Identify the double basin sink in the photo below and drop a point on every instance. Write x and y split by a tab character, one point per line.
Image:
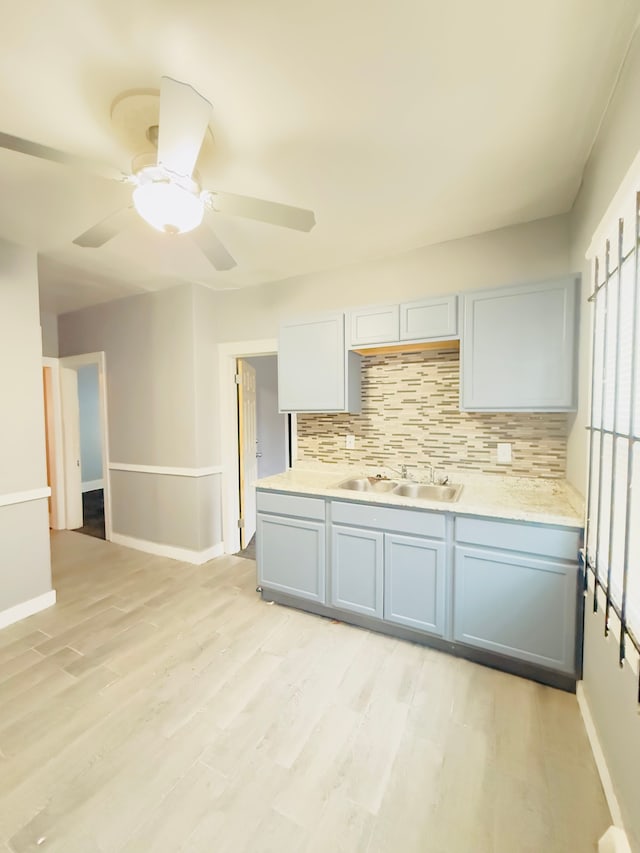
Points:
377	485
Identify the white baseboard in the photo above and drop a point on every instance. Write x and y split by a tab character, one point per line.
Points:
92	485
185	555
27	608
615	839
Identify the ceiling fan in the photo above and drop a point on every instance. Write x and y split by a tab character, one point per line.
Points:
167	193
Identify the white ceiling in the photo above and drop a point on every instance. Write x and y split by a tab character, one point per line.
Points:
400	124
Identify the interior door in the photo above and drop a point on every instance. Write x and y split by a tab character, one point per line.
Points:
247	442
71	447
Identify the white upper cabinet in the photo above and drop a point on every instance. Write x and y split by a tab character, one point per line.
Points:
518	348
429	319
425	320
375	324
316	373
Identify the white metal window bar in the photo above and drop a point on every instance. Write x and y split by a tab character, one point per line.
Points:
612	542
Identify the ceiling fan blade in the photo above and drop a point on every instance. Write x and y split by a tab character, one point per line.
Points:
184	118
265	211
43	152
212	248
107	229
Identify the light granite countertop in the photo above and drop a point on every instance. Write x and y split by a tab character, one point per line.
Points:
545	501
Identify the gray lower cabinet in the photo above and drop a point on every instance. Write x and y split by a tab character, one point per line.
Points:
357	570
414	583
394	577
492	587
291	555
516	605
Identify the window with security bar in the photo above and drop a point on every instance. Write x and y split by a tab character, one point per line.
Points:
613	500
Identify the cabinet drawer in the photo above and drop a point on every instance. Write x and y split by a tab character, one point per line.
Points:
293	505
388	518
561	543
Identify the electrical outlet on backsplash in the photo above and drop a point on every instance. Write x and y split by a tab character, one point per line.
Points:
410	413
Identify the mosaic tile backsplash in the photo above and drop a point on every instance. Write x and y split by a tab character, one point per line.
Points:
410	414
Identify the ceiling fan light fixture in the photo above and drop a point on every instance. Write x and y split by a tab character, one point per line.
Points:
168	207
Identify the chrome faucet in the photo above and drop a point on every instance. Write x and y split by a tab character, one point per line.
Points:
402	470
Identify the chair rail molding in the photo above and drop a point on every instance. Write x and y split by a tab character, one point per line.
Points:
12	498
170	470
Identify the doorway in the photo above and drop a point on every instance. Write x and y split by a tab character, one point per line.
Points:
263	437
91	465
77	443
228	354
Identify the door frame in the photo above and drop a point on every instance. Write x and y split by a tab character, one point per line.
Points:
242	364
99	358
58	507
229	451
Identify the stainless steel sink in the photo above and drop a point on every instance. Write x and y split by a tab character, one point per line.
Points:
406	490
428	492
368	484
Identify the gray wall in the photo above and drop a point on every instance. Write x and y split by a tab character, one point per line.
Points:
90	428
156	356
148	341
536	250
611	692
271	425
25	570
49	328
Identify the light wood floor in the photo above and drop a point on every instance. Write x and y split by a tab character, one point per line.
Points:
165	707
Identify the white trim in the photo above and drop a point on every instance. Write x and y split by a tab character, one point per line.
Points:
185	555
23	497
598	755
27	608
92	485
227	355
82	360
166	469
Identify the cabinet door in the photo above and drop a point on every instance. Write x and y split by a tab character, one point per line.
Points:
314	372
518	348
290	553
356	570
374	324
414	583
519	606
311	365
429	318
